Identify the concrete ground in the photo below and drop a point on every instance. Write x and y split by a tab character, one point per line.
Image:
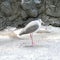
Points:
47	47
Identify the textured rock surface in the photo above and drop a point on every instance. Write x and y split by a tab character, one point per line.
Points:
19	12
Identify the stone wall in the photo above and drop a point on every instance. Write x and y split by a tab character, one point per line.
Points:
18	13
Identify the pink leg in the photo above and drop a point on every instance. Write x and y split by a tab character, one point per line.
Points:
31	38
46	28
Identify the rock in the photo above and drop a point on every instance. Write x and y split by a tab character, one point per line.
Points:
32	12
54	22
53	13
6	8
53	8
2	23
45	18
13	17
41	10
29	20
20	12
37	1
23	14
25	5
30	8
17	22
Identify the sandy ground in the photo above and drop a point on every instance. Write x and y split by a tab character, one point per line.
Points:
47	47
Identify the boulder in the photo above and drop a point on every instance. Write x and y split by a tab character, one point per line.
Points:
32	12
6	8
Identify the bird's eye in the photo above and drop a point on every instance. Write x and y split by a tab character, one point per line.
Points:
43	23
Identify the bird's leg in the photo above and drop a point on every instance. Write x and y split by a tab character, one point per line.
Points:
32	39
46	28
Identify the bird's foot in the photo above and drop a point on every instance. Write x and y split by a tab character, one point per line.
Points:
33	43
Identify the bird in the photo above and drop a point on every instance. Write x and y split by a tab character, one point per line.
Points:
31	27
28	29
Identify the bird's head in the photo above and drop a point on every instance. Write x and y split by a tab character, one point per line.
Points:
40	21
